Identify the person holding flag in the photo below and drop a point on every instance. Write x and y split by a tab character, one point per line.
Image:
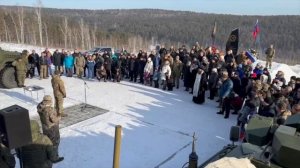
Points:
255	31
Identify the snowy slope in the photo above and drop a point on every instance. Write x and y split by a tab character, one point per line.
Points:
157	125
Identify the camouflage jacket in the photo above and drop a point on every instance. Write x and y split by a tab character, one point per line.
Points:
47	115
20	65
80	61
40	153
58	86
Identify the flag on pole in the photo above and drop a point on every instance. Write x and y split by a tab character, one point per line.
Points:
214	30
256	30
233	41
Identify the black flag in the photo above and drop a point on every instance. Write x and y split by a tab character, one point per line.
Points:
233	41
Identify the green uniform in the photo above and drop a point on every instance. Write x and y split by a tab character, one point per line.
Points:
270	52
21	69
39	154
79	63
7	160
50	123
59	93
177	69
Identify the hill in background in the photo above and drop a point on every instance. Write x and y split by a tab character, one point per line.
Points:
137	29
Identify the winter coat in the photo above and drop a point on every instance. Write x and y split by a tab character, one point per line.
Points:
165	71
43	60
20	65
149	68
69	61
177	68
142	64
213	80
107	63
79	61
226	88
56	59
236	85
58	86
40	153
187	77
50	122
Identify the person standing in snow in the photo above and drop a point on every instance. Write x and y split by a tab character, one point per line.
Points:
200	86
69	63
225	92
270	54
50	123
148	71
177	70
90	65
59	93
165	74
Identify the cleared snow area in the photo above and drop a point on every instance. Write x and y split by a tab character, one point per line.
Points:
157	125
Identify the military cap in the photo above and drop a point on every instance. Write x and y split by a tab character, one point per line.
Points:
47	98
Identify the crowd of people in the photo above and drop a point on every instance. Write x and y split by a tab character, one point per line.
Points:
231	80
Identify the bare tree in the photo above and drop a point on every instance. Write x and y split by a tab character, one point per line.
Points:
33	36
82	33
15	25
21	22
94	35
88	37
6	30
38	13
64	30
46	33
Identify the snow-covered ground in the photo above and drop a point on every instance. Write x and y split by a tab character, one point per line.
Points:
157	125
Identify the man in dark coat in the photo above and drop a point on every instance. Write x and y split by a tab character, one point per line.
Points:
142	64
57	60
200	85
31	65
36	61
212	83
107	66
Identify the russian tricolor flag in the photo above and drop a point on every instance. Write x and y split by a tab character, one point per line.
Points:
256	30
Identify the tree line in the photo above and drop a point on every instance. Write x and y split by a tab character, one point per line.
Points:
138	28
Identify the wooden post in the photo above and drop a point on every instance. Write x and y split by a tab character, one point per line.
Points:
117	147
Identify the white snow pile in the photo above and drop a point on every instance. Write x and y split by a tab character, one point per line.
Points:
157	125
230	162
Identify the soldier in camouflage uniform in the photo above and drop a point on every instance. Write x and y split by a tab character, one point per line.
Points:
7	160
79	64
59	93
21	68
50	122
40	153
270	53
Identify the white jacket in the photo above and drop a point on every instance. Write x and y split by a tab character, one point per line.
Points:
149	67
166	69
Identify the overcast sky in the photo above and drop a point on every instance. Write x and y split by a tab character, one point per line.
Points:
241	7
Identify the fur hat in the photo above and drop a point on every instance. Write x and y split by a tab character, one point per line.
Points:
47	98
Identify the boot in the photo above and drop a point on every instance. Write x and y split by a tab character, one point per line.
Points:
59	159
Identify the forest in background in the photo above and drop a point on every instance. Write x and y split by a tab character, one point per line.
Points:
137	29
